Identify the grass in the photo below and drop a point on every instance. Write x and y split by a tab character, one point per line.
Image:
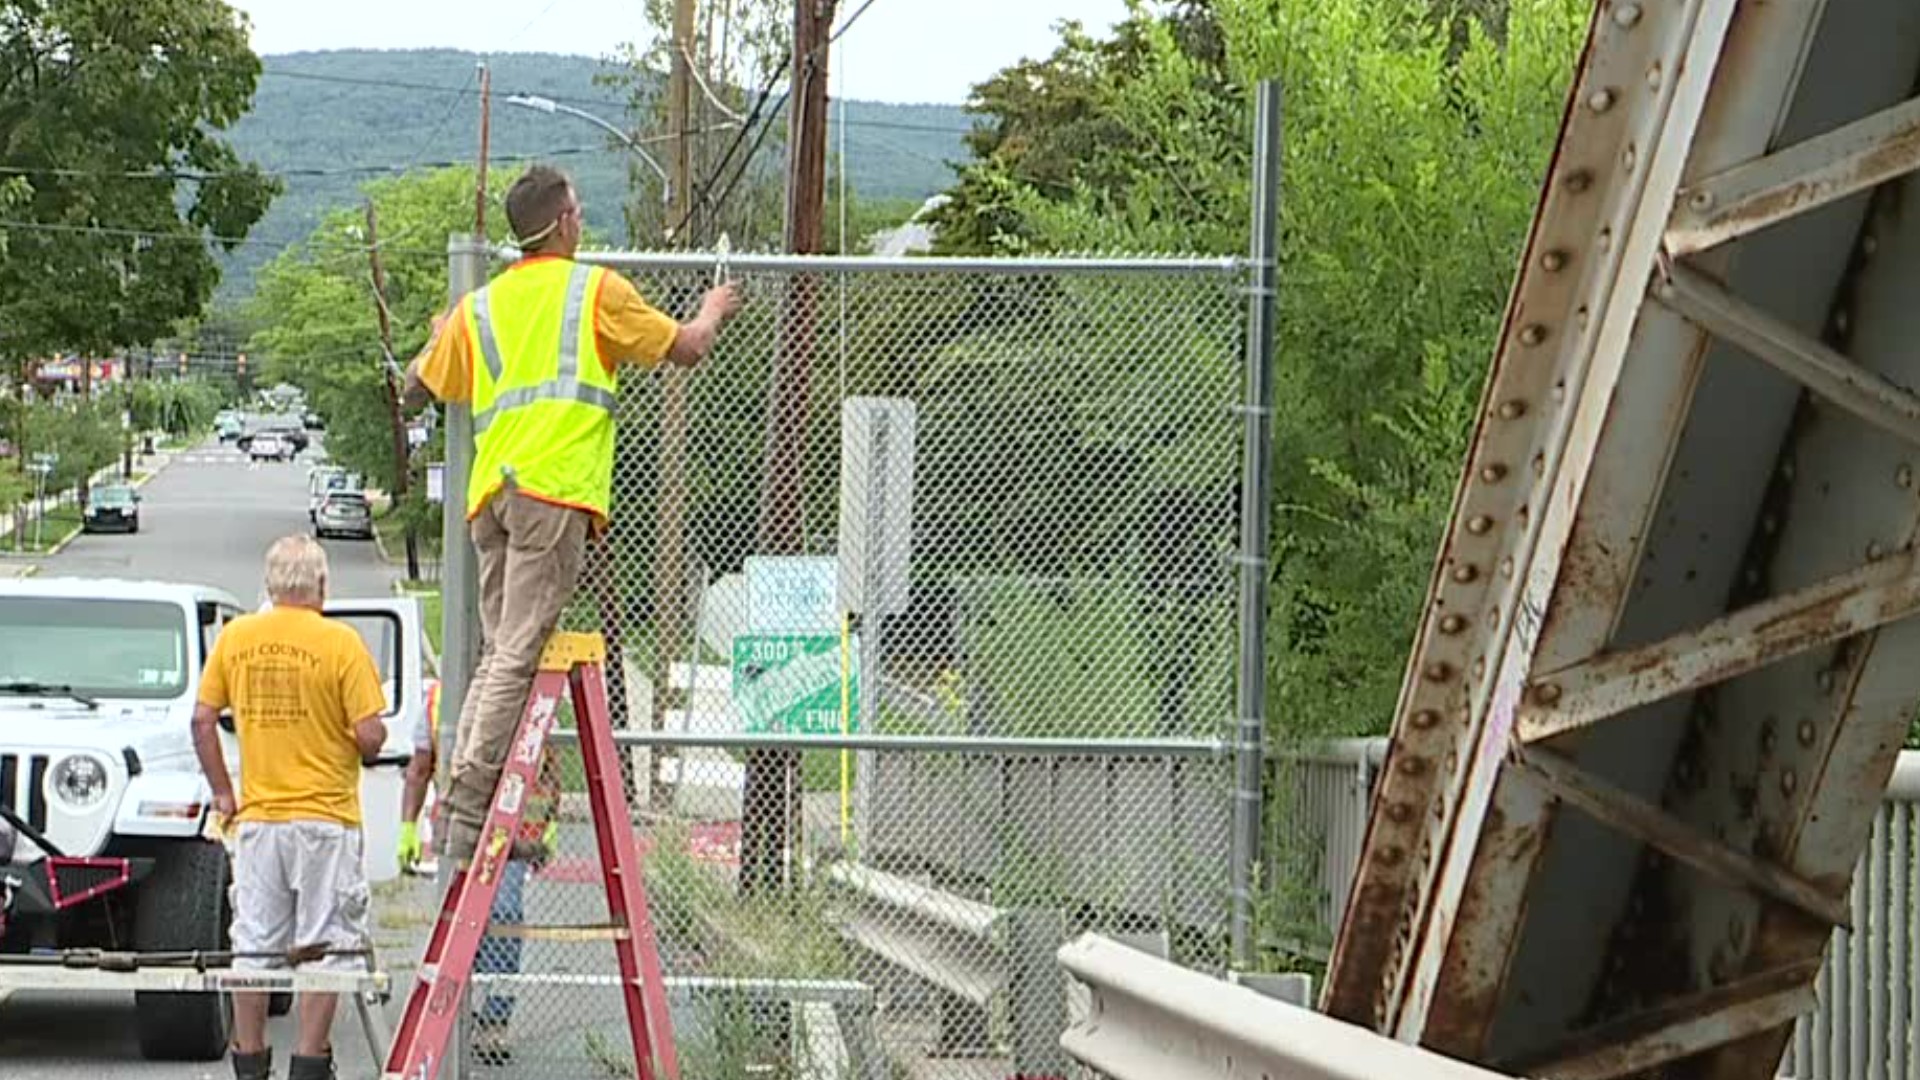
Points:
393	539
61	523
183	442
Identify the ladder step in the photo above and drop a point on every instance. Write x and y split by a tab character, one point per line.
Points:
607	932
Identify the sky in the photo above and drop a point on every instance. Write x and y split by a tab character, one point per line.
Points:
898	50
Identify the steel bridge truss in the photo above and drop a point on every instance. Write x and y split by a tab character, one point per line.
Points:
1668	657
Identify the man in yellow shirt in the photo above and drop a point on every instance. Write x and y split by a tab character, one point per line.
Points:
307	707
537	353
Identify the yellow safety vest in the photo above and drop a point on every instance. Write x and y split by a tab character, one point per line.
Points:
543	401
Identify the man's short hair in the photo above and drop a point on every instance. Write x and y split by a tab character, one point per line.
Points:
296	570
535	201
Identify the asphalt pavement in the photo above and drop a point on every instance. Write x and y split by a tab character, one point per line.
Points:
207	517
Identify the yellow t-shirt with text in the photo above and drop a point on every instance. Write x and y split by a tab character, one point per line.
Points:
298	683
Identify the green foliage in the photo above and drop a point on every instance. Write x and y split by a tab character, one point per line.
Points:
319	327
96	96
1414	142
175	407
15	486
85	435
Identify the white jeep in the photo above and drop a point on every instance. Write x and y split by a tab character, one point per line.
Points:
103	810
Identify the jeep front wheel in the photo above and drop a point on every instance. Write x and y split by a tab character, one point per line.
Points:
182	906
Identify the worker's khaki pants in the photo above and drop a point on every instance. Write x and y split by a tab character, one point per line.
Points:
530	554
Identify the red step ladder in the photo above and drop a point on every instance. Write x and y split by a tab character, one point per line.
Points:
571	663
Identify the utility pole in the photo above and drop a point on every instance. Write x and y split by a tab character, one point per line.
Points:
486	123
772	796
391	368
670	563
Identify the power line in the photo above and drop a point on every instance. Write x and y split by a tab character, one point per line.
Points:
851	19
603	103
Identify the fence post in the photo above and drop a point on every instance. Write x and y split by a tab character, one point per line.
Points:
1255	508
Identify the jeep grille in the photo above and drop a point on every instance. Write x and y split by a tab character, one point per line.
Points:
23	787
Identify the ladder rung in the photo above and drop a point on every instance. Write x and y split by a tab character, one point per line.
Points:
607	932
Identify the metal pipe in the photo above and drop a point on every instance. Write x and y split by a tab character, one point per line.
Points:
1900	1018
1874	934
1255	511
921	744
864	264
459	575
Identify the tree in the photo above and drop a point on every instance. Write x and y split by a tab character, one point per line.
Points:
110	111
1416	132
315	309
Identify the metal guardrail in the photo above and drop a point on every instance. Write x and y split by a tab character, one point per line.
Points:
1153	1020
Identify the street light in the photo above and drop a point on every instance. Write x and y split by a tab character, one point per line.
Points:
550	106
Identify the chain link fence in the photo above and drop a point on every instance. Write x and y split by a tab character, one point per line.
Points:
924	590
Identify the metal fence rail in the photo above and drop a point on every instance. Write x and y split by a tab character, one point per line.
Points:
1868	995
940	639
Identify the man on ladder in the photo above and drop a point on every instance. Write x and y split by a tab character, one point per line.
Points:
536	353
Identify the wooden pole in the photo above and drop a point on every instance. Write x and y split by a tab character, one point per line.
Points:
770	832
389	366
670	512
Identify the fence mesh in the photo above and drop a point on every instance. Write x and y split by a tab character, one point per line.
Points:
999	505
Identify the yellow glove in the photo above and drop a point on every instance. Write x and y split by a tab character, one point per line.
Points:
551	838
409	852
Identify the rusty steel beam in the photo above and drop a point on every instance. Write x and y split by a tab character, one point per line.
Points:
1883	591
1825	371
1803	177
1681	1029
1623	811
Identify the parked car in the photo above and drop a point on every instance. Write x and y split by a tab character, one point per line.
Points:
323	479
112	508
344	513
290	433
266	447
230	429
312	422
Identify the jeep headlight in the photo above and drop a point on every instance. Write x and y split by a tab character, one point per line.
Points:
78	781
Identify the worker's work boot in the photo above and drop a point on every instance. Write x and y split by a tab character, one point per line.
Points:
257	1066
317	1067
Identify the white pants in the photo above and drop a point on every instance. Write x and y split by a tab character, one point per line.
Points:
298	883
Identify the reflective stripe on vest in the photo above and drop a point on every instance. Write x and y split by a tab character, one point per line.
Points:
543	401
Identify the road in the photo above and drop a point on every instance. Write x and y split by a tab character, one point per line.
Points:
208	517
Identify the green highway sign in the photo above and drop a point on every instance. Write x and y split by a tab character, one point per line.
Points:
790	683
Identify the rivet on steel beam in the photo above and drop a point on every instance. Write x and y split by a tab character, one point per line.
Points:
1512	410
1559	391
1547	693
1453	624
1479	524
1869	245
1768	740
1600	100
1903	476
1391	856
1786	469
1465	573
1806	733
1841	321
1424	719
1582	316
1788	782
1701	200
1654	75
1413	766
1579	180
1605	241
1533	334
1506	567
1825	681
1627	16
1438	671
1554	261
1540	463
1493	473
1400	812
1874	550
1629	158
